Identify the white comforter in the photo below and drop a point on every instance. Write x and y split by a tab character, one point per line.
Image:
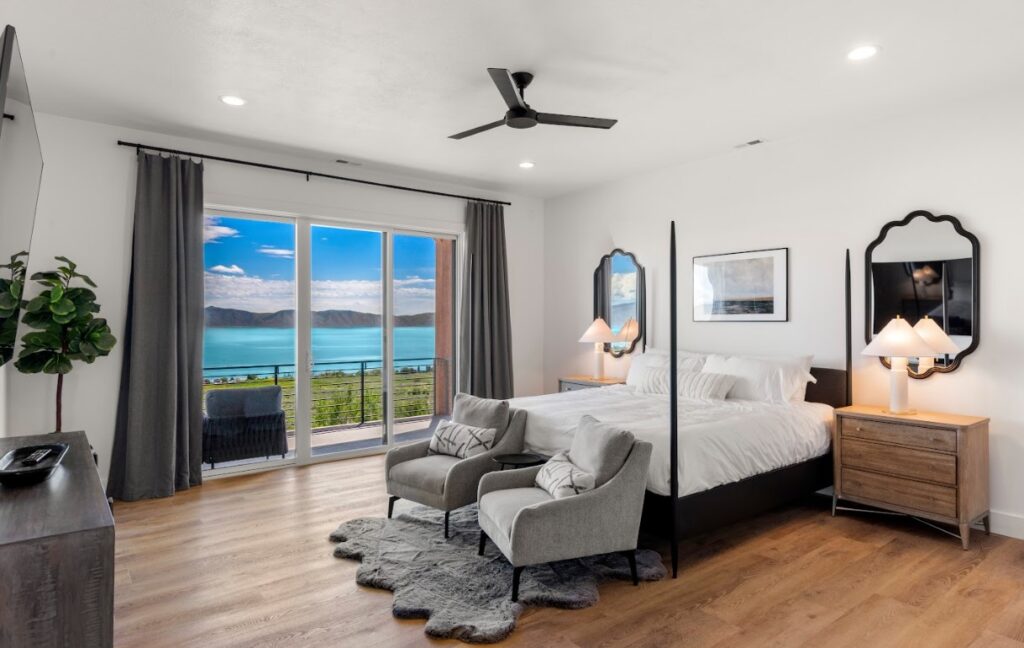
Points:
719	441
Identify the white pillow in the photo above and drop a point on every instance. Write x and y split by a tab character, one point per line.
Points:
461	440
648	372
761	378
561	478
703	385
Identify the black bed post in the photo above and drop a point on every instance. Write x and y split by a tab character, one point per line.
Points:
849	336
673	415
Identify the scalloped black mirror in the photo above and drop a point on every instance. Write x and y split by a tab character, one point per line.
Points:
620	298
925	266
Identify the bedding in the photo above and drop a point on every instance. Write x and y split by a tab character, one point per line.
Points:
720	442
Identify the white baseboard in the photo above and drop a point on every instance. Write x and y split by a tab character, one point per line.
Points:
1008	524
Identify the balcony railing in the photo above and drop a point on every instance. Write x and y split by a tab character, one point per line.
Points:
346	393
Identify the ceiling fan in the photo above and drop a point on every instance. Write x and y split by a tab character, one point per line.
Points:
512	85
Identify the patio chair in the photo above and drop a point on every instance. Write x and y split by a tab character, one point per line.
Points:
244	423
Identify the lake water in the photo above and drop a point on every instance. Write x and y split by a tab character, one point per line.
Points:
265	347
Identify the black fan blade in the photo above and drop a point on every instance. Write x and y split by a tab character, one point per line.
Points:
572	120
507	87
478	129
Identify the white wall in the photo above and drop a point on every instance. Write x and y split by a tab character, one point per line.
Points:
85	213
818	196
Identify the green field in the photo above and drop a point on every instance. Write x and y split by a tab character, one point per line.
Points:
341	398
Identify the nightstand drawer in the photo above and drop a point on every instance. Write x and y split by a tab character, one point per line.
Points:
905	493
899	461
900	434
564	386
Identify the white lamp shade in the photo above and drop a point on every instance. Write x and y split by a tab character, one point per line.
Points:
598	332
898	340
629	331
935	337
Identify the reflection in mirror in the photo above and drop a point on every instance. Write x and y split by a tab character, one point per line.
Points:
21	166
925	270
619	298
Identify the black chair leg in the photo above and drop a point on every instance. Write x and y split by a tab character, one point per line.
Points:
391	505
516	572
446	514
631	557
483	543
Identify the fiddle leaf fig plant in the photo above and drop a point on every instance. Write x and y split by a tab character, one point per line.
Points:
66	328
11	304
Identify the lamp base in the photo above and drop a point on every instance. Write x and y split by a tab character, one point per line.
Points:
598	361
909	412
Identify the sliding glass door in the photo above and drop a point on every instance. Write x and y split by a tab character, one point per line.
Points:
423	377
347	373
343	334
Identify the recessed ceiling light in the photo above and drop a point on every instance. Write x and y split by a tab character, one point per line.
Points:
526	164
232	100
862	52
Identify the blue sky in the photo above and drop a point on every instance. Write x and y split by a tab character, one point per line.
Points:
250	264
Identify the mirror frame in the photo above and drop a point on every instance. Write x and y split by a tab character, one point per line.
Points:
641	303
975	297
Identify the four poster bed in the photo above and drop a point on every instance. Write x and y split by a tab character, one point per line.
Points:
679	517
741	457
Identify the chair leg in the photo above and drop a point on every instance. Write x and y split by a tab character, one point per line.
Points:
675	558
631	557
483	543
516	572
446	514
391	505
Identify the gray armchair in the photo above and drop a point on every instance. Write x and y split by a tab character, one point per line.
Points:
530	527
446	482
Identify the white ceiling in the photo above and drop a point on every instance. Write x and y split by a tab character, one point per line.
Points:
385	82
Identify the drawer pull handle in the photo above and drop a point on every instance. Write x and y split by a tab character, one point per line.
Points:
860	429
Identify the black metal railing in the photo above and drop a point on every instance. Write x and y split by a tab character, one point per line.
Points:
345	393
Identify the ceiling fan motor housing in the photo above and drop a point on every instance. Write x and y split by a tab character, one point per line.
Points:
521	118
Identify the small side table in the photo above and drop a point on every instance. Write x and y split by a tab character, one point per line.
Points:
576	383
520	460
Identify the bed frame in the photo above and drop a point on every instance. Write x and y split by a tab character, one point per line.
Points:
675	517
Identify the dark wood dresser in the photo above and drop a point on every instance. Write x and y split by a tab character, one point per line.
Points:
57	554
927	465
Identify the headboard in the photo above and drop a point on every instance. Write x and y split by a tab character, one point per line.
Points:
832	388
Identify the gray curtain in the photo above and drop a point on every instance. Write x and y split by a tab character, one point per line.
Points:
158	434
485	360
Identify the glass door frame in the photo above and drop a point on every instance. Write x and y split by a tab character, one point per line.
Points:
304	334
303	323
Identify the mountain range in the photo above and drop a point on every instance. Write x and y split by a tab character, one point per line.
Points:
217	317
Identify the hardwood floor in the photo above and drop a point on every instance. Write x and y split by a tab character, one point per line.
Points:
245	561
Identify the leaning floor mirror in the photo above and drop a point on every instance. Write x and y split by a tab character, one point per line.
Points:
620	299
925	269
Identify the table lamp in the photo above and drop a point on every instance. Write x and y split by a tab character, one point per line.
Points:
937	339
898	342
599	333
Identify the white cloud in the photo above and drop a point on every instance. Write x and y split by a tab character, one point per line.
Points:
623	288
280	253
231	269
213	230
412	295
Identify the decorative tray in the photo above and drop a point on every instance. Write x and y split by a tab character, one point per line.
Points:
21	466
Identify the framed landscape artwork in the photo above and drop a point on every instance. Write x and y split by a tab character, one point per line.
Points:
742	287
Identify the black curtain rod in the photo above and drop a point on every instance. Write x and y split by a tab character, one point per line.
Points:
308	174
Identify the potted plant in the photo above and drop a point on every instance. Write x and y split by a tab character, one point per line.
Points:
66	326
11	304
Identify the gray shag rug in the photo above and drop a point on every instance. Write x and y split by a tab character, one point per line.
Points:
462	595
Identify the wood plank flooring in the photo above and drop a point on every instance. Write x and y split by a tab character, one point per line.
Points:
245	561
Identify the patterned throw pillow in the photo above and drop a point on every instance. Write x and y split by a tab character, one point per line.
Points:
561	478
459	440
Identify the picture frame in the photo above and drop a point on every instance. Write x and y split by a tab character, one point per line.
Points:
750	286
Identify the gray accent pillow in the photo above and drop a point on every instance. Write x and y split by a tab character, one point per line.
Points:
599	449
561	478
458	440
702	385
481	413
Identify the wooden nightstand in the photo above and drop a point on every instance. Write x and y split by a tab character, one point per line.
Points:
925	465
574	383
